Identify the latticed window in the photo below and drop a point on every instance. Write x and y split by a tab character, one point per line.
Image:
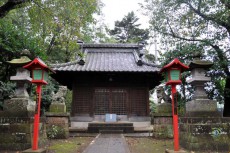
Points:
82	100
138	99
119	101
110	101
101	101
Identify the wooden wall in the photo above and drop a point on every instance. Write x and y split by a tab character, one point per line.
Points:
100	100
119	93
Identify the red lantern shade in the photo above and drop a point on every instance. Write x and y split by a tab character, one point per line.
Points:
173	71
39	71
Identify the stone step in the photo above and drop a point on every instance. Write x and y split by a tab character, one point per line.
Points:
76	130
83	125
139	119
111	131
81	119
110	125
97	127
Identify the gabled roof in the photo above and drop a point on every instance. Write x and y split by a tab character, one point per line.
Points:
108	58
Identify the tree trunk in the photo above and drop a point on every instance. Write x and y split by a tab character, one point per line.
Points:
224	64
226	112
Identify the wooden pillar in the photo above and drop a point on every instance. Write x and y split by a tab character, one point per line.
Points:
147	100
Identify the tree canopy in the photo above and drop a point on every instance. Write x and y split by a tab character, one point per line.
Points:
127	30
48	28
189	26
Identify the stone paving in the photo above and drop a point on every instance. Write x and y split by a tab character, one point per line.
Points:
108	143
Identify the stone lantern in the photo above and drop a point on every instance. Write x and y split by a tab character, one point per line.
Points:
22	76
203	128
20	105
200	104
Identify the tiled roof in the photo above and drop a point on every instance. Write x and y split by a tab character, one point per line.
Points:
108	58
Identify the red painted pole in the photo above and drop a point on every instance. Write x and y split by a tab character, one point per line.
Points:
37	117
175	119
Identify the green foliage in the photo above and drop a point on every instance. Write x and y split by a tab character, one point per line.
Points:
127	30
47	91
53	131
152	106
12	41
6	91
59	25
48	29
181	105
150	57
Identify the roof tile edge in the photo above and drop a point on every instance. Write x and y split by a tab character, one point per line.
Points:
110	45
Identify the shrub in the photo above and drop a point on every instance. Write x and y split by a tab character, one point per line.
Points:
6	92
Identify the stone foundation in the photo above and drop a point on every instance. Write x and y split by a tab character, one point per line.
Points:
57	125
17	133
205	134
162	121
57	108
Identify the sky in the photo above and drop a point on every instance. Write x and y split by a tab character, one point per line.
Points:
116	9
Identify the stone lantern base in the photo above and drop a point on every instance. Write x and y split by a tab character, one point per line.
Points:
19	107
202	108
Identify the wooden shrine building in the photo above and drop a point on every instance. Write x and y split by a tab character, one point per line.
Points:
109	79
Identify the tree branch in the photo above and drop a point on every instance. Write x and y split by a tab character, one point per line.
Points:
209	18
220	52
173	34
199	5
223	60
48	52
10	5
179	37
226	3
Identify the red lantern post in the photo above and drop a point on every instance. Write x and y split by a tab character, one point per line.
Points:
39	77
173	72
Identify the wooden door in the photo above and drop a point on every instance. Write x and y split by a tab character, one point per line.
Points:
118	102
110	100
101	101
